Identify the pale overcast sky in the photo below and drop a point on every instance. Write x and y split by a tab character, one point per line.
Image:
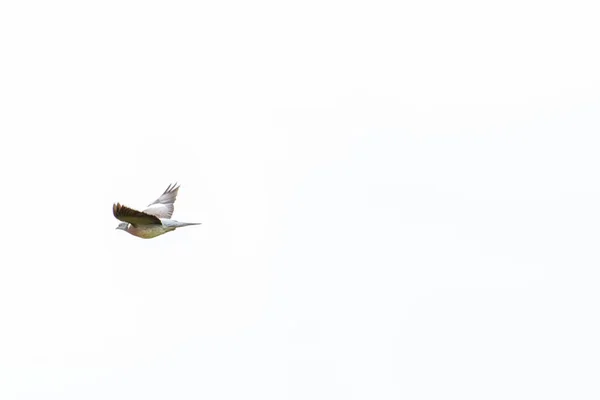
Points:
400	200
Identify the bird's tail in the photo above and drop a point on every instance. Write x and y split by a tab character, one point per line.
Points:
171	223
180	224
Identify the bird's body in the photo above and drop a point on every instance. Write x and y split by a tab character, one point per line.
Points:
148	231
153	221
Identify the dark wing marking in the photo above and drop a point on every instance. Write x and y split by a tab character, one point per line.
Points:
134	217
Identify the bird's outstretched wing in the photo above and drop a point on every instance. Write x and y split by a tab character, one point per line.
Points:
163	206
134	217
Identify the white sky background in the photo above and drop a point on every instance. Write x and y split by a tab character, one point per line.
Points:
399	200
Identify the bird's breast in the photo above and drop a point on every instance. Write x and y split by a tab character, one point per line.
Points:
148	231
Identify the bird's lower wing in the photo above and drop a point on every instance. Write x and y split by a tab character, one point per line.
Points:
160	210
134	217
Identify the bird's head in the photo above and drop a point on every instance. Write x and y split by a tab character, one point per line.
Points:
123	226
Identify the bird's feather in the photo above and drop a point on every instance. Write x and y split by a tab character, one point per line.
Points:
163	206
134	217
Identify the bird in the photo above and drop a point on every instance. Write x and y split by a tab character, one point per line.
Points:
154	220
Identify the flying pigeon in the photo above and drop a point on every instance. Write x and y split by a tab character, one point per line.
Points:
153	221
